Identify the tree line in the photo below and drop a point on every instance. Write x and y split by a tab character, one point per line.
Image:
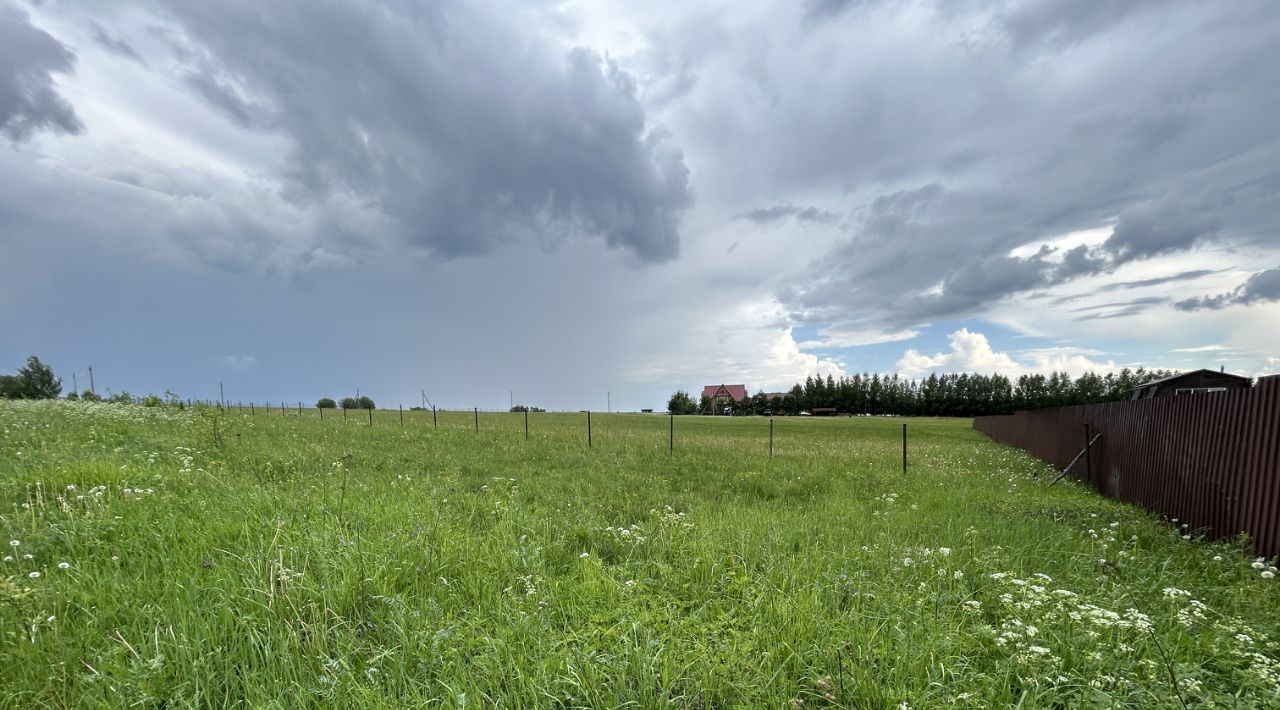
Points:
946	395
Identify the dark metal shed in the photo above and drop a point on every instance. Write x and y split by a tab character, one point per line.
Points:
1193	382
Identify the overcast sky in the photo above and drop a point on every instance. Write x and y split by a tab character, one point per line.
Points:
552	202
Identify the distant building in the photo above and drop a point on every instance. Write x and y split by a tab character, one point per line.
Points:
770	396
722	396
1193	382
824	411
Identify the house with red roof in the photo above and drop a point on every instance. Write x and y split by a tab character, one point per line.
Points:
722	396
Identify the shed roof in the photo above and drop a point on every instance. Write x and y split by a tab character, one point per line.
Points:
1188	373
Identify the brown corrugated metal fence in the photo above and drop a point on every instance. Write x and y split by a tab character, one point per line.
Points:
1210	460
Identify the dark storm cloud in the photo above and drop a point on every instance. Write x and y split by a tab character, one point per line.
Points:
1066	22
1057	121
1172	278
774	214
1262	287
29	101
115	45
462	124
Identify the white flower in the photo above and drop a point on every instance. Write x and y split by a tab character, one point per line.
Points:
585	555
28	556
51	619
71	488
1268	574
1258	565
907	561
34	575
1217	558
64	565
15	543
8	558
944	551
1038	649
957	575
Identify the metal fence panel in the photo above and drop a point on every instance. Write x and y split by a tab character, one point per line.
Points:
1210	460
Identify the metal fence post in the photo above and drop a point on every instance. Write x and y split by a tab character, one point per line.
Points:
770	437
904	448
477	413
588	428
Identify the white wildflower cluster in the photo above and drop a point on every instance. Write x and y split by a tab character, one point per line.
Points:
1265	569
664	521
633	533
527	585
186	459
669	519
888	499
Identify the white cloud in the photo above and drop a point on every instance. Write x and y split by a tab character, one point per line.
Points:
846	336
238	362
971	351
1202	349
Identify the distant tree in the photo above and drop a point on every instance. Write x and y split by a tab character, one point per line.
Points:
526	408
90	397
72	396
10	387
681	403
122	397
365	403
350	403
326	403
34	381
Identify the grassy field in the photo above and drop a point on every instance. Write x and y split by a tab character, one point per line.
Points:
165	558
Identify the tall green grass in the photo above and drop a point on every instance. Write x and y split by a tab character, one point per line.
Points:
221	559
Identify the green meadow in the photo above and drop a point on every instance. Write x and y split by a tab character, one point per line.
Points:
157	557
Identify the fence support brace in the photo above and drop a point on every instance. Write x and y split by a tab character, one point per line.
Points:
1083	451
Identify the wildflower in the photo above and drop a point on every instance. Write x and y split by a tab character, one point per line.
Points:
51	619
28	556
1186	537
1038	649
71	488
1217	558
907	561
1256	564
957	575
1268	574
944	551
64	565
8	558
34	575
14	543
585	555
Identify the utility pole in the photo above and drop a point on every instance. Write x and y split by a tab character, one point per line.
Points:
222	396
608	398
511	399
74	387
91	388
